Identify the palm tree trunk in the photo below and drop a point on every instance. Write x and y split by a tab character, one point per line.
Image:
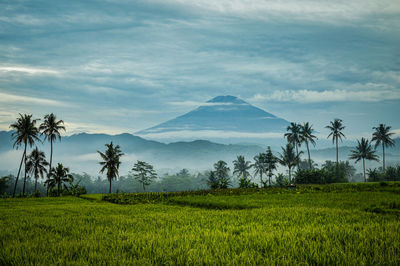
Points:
383	156
337	153
51	159
290	175
144	188
58	188
297	153
109	190
23	188
19	170
309	157
35	184
365	178
261	180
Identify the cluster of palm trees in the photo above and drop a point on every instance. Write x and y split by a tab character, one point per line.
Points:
27	134
298	134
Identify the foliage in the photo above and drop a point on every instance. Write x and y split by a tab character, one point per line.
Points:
281	180
111	162
363	152
306	136
220	175
36	163
144	173
241	167
58	177
313	176
289	158
382	135
4	183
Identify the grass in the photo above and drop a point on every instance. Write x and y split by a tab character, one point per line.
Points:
308	226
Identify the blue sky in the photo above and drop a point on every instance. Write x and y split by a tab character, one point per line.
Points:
122	66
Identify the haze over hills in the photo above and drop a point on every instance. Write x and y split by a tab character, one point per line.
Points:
219	119
79	153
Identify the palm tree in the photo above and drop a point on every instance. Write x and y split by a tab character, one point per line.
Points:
383	135
306	135
37	164
241	167
270	163
289	158
51	128
363	151
259	166
336	128
58	176
222	174
294	135
111	161
26	133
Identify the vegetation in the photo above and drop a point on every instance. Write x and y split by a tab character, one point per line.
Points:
36	165
341	224
144	173
111	162
25	133
241	168
58	176
306	135
336	128
294	136
289	158
382	135
363	152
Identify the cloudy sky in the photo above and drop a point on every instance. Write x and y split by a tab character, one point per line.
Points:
122	66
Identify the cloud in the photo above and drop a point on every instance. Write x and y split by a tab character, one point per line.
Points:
201	134
29	70
7	98
309	96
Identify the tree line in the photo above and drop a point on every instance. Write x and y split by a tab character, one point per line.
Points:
27	132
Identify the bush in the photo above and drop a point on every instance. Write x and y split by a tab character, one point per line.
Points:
281	180
36	194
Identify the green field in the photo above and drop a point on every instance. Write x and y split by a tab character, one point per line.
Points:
346	224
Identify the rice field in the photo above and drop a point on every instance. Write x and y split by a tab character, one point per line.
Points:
347	226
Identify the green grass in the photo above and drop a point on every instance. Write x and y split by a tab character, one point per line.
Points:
341	225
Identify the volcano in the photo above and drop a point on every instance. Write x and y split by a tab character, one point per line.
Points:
220	117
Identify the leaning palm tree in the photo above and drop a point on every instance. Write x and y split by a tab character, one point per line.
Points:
336	128
382	135
37	164
293	135
363	152
289	158
259	166
241	167
58	176
306	135
51	129
111	161
26	133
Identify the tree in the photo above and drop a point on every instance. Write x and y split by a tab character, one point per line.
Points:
363	152
260	166
222	174
26	133
111	162
212	180
294	136
144	173
289	158
306	135
382	135
336	128
58	176
270	164
241	167
36	164
51	128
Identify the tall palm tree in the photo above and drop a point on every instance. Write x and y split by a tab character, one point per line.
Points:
241	167
289	158
37	164
270	163
26	133
58	176
336	128
363	152
306	135
382	135
259	166
293	135
51	129
111	161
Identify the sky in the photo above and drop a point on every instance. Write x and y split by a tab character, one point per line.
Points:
123	66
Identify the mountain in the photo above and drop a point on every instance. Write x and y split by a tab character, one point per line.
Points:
220	117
